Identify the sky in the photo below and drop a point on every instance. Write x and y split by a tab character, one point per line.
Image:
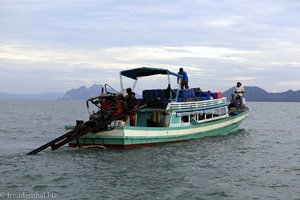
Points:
55	45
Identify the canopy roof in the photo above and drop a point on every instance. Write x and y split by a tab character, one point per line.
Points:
146	71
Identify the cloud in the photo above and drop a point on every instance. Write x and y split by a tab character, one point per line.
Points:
173	53
220	23
257	68
73	41
116	55
290	84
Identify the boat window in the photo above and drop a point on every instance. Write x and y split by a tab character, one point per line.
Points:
201	115
223	111
208	114
185	119
216	112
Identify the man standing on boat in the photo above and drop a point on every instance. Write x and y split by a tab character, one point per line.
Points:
131	101
239	91
184	80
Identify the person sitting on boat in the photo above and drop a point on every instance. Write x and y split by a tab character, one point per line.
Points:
184	80
132	106
239	91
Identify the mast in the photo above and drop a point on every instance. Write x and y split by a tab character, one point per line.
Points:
121	84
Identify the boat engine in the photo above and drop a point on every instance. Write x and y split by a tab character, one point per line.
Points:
106	105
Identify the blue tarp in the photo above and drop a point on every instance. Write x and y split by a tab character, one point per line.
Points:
146	71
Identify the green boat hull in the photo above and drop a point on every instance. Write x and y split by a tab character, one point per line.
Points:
129	136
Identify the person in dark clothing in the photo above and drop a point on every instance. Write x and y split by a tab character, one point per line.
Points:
131	101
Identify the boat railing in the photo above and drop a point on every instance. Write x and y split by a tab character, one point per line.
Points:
195	104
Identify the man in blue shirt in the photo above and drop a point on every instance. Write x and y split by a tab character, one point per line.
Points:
185	79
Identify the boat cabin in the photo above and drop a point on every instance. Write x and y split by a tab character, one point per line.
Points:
175	107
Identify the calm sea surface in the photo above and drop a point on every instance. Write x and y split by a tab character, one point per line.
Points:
260	161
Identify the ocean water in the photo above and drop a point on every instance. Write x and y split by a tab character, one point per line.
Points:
260	161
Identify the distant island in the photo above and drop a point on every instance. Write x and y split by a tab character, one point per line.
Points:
83	93
252	93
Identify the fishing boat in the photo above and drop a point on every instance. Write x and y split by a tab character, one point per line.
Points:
163	115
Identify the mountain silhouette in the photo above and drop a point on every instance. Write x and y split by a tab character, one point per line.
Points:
83	93
254	93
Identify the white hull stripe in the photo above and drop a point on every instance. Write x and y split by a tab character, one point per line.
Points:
157	132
